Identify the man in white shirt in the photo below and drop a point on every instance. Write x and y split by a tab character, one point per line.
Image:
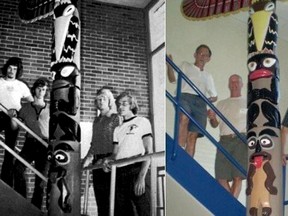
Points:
191	102
131	139
234	109
12	92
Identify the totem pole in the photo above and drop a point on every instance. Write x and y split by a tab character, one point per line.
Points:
63	189
264	180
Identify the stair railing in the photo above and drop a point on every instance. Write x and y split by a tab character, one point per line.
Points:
32	133
11	151
22	125
127	161
175	101
179	108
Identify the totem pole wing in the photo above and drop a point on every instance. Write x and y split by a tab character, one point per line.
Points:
32	10
203	9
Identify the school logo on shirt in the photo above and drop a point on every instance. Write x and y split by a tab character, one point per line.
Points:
10	88
132	128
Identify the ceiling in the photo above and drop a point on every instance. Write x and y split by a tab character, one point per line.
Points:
128	3
281	11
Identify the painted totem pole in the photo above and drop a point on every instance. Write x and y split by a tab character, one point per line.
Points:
264	180
63	188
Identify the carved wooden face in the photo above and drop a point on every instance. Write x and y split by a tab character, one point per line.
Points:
64	158
263	65
261	144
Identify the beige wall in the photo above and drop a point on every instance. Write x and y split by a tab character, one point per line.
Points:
227	37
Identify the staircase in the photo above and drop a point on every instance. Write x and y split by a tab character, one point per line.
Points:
199	183
204	191
13	204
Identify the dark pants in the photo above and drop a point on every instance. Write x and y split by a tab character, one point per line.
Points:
125	198
101	185
10	141
31	151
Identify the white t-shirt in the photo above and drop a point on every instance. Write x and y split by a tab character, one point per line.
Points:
235	110
11	93
129	137
202	80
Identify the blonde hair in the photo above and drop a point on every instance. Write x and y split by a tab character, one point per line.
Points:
107	93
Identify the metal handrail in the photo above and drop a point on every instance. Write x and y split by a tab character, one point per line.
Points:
25	127
181	75
207	101
125	162
7	148
32	133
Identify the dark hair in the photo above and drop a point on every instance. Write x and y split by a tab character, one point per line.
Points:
133	102
40	82
204	46
15	61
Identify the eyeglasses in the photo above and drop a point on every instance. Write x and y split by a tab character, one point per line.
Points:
123	103
205	55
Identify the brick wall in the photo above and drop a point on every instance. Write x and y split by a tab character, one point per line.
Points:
113	53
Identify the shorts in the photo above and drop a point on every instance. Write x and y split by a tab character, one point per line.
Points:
196	107
224	169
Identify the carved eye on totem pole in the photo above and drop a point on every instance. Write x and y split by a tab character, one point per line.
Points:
59	157
264	140
262	66
64	10
262	6
259	143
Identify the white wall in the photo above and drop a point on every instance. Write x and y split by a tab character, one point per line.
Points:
227	38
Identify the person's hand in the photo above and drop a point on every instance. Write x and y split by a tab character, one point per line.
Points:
211	114
12	113
106	164
139	187
43	184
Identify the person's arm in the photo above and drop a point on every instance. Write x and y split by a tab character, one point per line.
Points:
87	160
108	160
213	99
211	89
212	118
28	99
139	187
170	71
26	93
